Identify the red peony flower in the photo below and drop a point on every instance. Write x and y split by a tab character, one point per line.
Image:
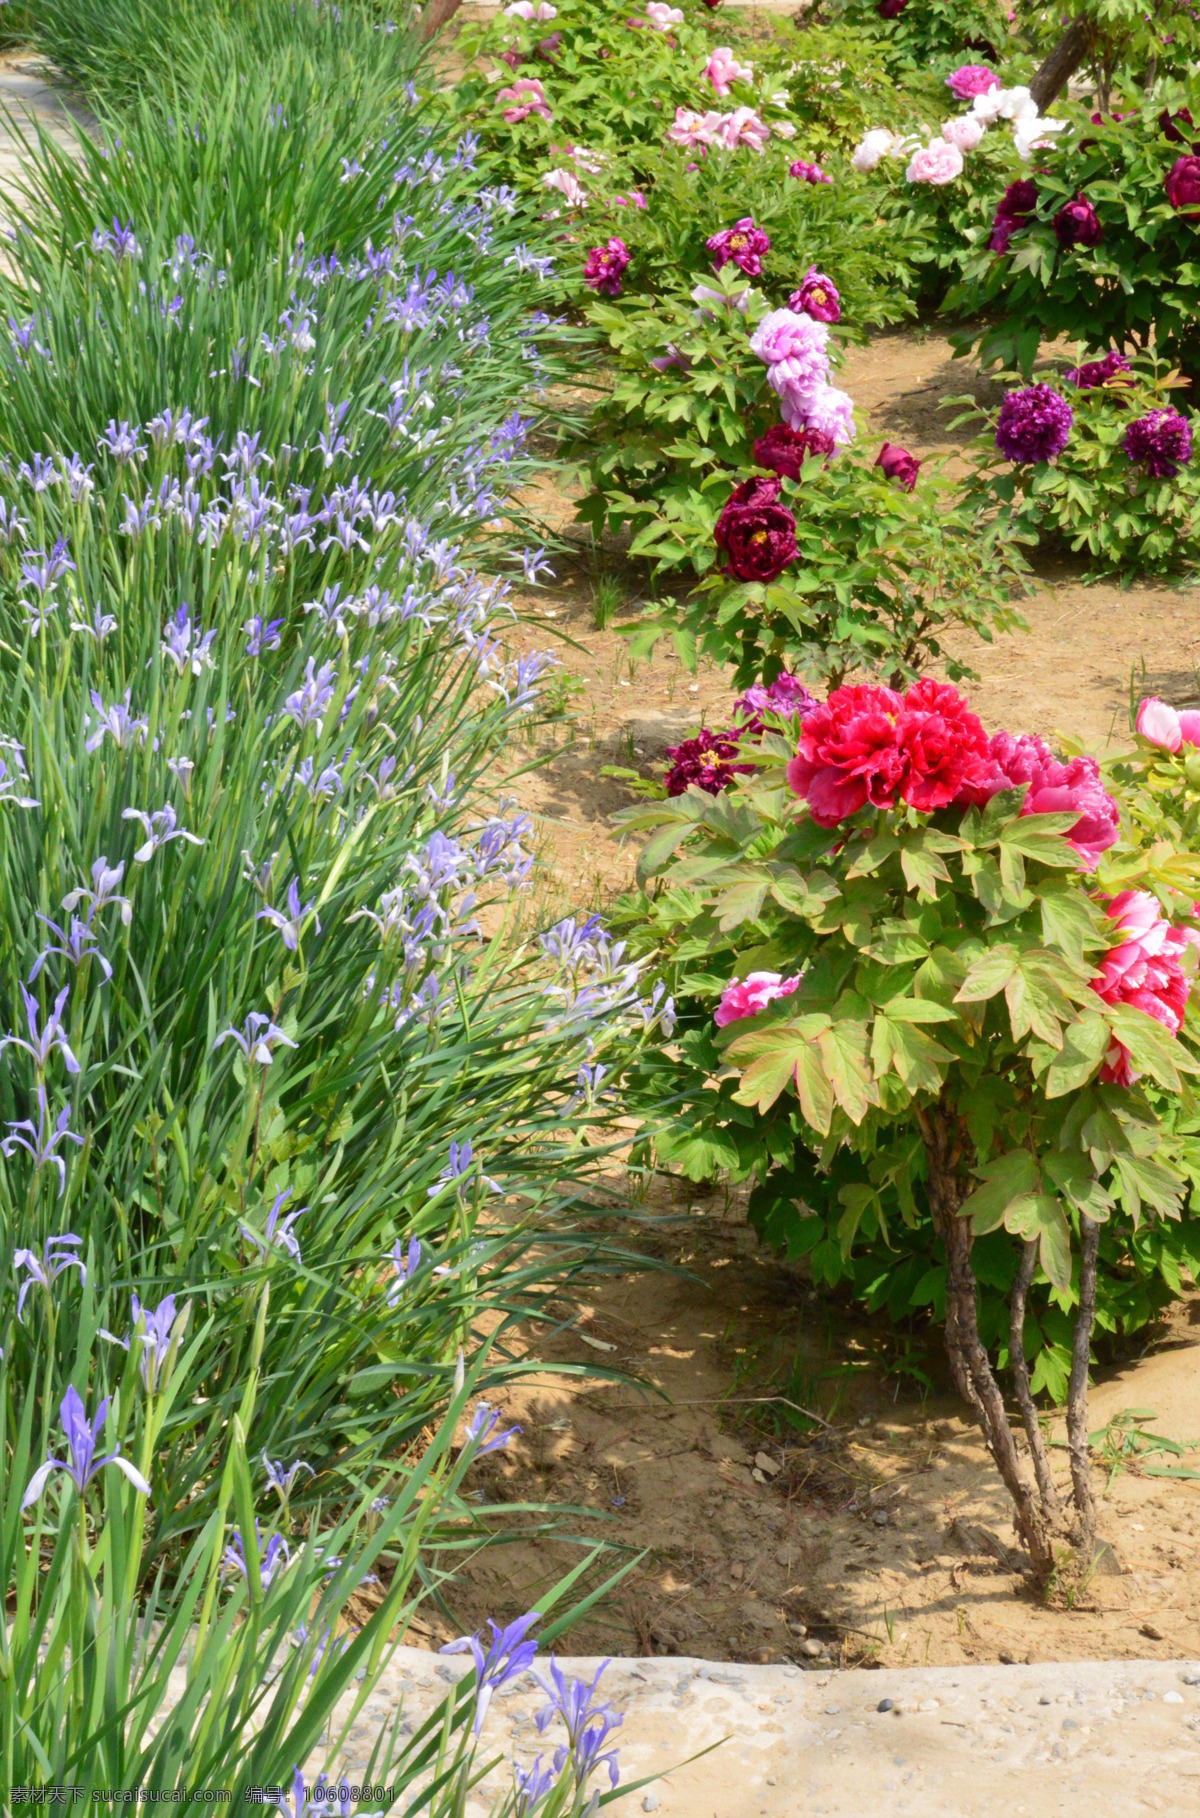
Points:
943	744
785	450
1077	224
899	465
755	532
848	754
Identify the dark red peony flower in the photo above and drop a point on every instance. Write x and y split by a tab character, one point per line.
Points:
899	465
709	761
1078	224
891	9
943	743
1169	124
785	450
1182	183
755	532
1015	206
848	753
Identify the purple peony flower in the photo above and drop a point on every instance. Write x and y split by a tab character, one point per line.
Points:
1012	212
1182	183
605	266
970	80
743	245
708	762
1160	442
899	465
756	534
1077	224
785	695
818	297
808	173
1097	372
1034	424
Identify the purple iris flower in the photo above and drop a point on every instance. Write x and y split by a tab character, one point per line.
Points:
102	625
121	242
43	1042
157	1330
284	1482
82	1438
257	1038
289	925
482	1432
406	1264
117	723
278	1234
184	645
262	634
161	828
588	1724
272	1559
105	878
41	571
56	1256
459	1169
122	441
12	525
76	945
308	703
508	1655
532	1785
41	1146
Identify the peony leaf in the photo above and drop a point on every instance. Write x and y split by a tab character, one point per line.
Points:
989	974
1002	1181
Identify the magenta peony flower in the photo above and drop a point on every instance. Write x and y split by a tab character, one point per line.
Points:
743	245
818	297
785	450
755	532
785	695
1078	224
971	80
1034	424
527	97
785	334
708	762
605	266
899	465
1182	183
808	173
1097	372
1012	212
1052	788
1159	723
1161	442
746	997
1144	970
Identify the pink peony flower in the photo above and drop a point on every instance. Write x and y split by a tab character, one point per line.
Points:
663	17
899	465
723	68
742	245
1189	726
936	162
635	199
605	266
569	186
964	134
784	334
817	297
527	97
1159	724
875	145
743	127
970	80
1052	788
824	408
1144	970
746	997
690	128
528	10
808	173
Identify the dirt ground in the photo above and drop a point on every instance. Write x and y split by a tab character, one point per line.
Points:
881	1537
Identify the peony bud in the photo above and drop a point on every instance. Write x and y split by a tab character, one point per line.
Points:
1159	723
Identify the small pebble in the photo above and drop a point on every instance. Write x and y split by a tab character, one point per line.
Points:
832	1710
1045	1698
1151	1631
880	1518
1069	1723
650	1802
1172	1697
1191	1679
885	1704
811	1649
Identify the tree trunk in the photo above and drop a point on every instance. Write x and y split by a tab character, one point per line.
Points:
436	14
1077	1394
1020	1370
1060	65
968	1355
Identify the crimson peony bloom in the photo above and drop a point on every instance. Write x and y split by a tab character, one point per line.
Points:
818	297
1013	210
848	753
899	465
891	9
605	266
1078	224
756	533
1034	424
943	743
1169	124
1182	183
747	996
709	761
1144	970
1160	442
785	450
743	244
1052	787
1097	372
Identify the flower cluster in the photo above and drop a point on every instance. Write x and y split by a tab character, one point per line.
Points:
1144	970
794	347
941	160
1160	442
710	760
744	126
870	745
1034	424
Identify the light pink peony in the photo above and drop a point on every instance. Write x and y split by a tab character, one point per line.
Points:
875	146
785	334
1159	723
723	68
527	97
663	17
743	127
1053	788
1144	970
823	407
568	184
964	134
527	10
693	129
747	996
936	162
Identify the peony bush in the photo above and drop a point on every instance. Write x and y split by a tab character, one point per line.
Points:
959	1025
